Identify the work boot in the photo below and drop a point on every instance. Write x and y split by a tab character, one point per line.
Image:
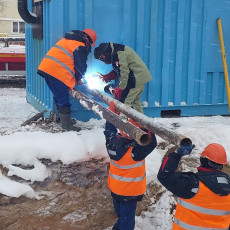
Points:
66	122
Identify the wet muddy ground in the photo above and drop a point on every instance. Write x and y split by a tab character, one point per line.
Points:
74	197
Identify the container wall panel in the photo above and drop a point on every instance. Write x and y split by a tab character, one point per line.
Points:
177	39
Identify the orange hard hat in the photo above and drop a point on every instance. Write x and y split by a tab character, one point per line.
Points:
216	153
92	35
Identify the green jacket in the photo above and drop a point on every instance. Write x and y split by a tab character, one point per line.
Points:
129	60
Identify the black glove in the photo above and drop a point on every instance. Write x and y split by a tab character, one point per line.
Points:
185	150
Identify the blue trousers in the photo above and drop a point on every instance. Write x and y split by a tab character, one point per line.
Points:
126	214
60	91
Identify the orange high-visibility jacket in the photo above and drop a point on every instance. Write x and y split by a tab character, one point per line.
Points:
59	61
126	176
205	211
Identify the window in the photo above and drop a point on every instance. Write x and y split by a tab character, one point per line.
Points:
18	27
22	27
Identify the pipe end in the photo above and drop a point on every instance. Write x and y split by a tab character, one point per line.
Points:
186	141
144	139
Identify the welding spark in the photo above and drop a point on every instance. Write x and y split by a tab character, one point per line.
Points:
93	81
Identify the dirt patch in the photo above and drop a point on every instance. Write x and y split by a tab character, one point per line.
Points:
63	207
76	196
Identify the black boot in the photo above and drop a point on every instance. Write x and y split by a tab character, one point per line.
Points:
66	122
65	119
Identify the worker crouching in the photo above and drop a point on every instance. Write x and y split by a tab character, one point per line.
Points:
63	68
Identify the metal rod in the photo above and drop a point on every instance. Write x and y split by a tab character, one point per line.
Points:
147	122
136	133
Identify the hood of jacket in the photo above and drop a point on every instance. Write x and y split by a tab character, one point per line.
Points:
217	181
76	35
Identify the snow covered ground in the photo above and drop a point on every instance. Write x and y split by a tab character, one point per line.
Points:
26	145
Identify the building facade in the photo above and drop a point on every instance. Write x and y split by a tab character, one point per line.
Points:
11	24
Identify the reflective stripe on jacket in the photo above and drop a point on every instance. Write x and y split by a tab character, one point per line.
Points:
126	176
59	61
205	211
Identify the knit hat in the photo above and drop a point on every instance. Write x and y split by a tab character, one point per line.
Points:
103	53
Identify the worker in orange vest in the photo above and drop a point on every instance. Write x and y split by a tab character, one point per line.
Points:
64	66
127	175
203	197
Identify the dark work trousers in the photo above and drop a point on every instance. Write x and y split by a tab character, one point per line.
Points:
60	91
126	214
132	97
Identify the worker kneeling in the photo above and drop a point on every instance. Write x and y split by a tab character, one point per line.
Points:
127	174
203	197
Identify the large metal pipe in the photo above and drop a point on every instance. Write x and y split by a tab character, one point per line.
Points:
36	20
147	122
25	14
136	133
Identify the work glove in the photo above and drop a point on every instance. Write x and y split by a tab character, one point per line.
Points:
112	108
117	92
109	77
185	150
